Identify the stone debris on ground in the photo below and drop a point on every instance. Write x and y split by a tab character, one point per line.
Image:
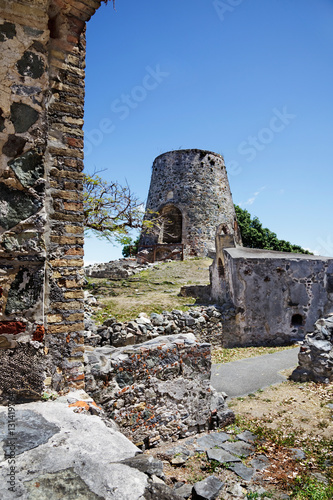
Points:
64	451
205	322
316	354
238	476
116	269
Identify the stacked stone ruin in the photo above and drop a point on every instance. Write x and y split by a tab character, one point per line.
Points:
41	212
180	181
315	359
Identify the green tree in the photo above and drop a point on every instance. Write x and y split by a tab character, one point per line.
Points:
111	210
254	235
131	247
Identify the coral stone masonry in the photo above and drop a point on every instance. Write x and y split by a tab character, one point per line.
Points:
42	47
180	181
276	296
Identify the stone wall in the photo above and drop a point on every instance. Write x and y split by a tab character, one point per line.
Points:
204	322
315	359
156	391
41	244
276	297
115	269
180	181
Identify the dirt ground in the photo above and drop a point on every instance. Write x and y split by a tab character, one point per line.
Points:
154	290
285	417
291	407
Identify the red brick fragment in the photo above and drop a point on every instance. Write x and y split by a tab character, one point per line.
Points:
12	327
39	333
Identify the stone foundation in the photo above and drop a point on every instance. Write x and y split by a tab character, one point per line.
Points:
156	391
316	354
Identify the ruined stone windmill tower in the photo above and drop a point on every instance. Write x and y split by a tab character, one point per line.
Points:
190	189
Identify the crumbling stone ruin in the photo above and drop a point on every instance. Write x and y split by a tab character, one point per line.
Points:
180	181
277	297
41	219
205	322
115	269
41	211
157	391
315	359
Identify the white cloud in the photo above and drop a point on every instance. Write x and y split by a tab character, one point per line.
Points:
253	198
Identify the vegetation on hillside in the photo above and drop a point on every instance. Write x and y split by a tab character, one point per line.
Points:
254	235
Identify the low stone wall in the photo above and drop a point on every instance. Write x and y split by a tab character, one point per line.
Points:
156	391
115	269
204	322
316	354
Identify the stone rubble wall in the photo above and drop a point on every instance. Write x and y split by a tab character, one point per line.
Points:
204	322
41	214
115	269
315	359
156	391
182	179
277	297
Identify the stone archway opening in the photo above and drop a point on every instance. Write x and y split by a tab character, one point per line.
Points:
172	227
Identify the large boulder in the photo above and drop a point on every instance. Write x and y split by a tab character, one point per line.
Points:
59	450
316	354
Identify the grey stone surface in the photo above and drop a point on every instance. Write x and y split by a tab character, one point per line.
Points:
298	454
22	116
210	440
85	455
16	206
239	448
54	486
28	168
208	489
157	491
247	436
242	471
146	464
25	290
184	491
31	430
222	456
315	358
260	462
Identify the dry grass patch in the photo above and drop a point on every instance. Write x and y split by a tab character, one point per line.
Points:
153	290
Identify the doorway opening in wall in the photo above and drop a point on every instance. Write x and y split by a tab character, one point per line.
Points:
220	268
172	226
297	320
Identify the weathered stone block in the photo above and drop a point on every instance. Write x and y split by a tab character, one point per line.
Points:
22	116
16	206
31	65
28	168
158	390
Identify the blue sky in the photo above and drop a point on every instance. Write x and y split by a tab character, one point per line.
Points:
249	79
